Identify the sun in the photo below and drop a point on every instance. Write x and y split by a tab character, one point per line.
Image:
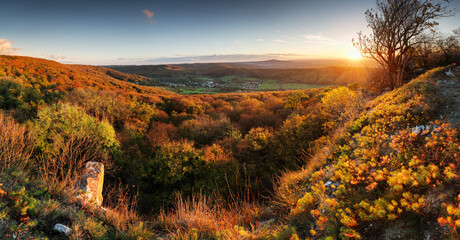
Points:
354	55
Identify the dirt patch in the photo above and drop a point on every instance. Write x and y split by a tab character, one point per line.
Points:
449	86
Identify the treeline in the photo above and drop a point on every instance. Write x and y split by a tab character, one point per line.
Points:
437	49
322	76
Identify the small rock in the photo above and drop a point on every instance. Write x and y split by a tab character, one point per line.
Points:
446	83
62	229
423	130
328	183
450	73
266	224
427	236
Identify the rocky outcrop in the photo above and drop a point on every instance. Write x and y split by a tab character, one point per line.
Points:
92	181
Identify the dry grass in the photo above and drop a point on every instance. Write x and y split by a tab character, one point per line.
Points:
66	165
121	214
121	208
61	172
200	218
197	214
16	144
77	232
289	187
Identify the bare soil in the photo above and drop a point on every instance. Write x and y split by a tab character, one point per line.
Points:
449	86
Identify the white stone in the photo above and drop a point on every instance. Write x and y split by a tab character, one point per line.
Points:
450	73
62	229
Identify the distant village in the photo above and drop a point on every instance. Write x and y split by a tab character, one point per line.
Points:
202	82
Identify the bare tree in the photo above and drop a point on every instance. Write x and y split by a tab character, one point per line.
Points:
437	49
67	163
395	25
448	47
426	50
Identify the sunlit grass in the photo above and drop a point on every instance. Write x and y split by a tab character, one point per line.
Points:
275	85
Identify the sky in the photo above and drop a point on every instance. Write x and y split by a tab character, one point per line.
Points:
116	32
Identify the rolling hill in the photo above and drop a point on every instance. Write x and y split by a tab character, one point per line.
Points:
346	165
311	72
53	76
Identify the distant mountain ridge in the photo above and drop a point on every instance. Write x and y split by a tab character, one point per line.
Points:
266	64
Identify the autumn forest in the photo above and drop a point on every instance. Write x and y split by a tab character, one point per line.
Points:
366	147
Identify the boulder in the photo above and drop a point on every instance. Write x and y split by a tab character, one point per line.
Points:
92	182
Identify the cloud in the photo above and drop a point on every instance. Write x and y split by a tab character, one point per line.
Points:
319	38
213	58
149	14
288	37
54	57
6	47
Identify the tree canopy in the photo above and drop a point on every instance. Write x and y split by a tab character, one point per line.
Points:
395	26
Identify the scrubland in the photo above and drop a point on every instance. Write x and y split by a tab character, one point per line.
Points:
330	163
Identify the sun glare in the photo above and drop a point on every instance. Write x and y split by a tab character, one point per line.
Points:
354	55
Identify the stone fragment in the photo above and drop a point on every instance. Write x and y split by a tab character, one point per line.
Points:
62	229
450	73
266	224
92	182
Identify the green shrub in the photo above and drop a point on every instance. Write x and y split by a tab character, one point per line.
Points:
61	122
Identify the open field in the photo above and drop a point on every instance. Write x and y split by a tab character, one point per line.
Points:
234	77
274	85
194	90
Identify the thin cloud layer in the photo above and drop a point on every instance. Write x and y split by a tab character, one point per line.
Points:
149	14
311	38
55	57
213	58
6	47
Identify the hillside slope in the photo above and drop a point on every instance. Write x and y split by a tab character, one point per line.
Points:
52	76
159	145
394	173
388	171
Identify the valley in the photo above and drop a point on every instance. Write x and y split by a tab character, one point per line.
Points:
230	120
272	75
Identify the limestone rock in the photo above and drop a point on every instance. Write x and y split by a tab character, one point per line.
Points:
450	73
62	229
92	182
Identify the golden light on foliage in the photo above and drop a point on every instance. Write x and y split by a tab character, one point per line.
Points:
354	55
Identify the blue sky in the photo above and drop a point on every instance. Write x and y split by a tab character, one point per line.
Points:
164	31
